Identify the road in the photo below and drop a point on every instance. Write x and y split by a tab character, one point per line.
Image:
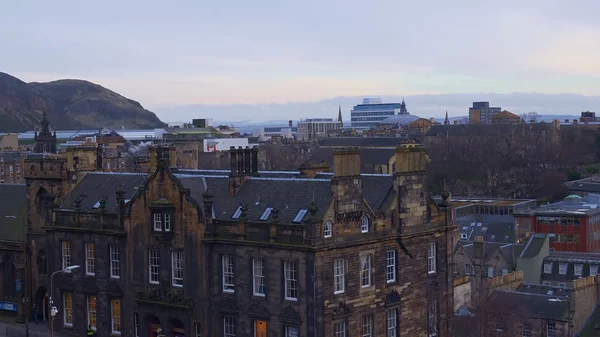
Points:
18	330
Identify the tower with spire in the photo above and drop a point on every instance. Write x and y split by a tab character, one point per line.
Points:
403	110
45	141
446	121
340	116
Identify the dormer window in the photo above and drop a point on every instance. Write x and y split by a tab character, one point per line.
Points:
300	216
237	213
161	221
327	229
266	214
364	227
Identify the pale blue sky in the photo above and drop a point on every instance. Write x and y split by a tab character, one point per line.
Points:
165	53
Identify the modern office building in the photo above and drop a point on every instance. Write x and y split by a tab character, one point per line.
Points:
372	111
313	127
481	113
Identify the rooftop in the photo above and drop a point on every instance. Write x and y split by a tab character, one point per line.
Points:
571	205
493	228
591	327
525	304
590	185
13	210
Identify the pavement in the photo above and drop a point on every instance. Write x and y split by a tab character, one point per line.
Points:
9	328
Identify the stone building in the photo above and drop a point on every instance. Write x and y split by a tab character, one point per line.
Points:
45	141
244	251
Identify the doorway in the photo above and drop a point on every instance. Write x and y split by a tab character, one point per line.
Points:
260	329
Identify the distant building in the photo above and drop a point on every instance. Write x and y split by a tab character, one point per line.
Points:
45	141
481	113
9	141
312	128
589	117
372	111
267	133
505	117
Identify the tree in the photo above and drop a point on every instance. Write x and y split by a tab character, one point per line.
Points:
531	117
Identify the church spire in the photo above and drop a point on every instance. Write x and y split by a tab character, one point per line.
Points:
340	116
446	121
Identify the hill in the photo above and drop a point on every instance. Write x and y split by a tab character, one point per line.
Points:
70	104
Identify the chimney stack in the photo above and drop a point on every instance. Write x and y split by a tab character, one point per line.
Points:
575	122
346	185
410	183
255	160
247	162
120	192
244	163
290	123
207	199
346	162
455	122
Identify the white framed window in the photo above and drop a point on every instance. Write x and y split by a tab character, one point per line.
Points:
433	318
562	268
551	329
258	278
227	266
562	285
390	269
167	222
339	276
467	269
291	331
546	283
197	331
157	222
153	266
548	268
115	262
136	324
339	329
290	269
431	258
66	254
91	311
578	269
327	229
392	322
364	226
366	326
67	309
228	326
593	270
490	272
177	268
527	329
365	270
115	316
90	259
10	168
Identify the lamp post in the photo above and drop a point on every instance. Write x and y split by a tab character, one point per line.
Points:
568	314
53	309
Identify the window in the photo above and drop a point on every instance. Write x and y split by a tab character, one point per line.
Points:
115	262
91	311
136	324
548	268
89	259
258	277
167	217
551	329
291	331
228	326
237	213
339	329
562	285
291	280
266	214
365	270
327	229
177	268
153	266
593	270
157	222
300	216
364	227
197	331
392	322
339	271
390	269
433	317
10	169
366	326
68	309
66	254
115	316
562	268
578	269
467	269
490	272
227	268
504	271
547	283
431	258
527	329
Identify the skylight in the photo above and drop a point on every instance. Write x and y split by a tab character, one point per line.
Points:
127	200
266	214
237	213
301	214
96	205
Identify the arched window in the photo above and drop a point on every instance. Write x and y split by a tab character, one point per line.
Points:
364	227
327	229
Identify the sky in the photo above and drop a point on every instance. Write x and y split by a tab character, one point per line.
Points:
174	53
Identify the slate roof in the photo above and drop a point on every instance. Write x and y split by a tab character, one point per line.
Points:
390	142
13	202
526	305
572	205
534	246
544	290
591	326
95	185
493	228
481	130
10	156
571	259
367	156
510	251
589	185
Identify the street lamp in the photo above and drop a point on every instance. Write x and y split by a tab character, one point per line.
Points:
53	309
568	314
